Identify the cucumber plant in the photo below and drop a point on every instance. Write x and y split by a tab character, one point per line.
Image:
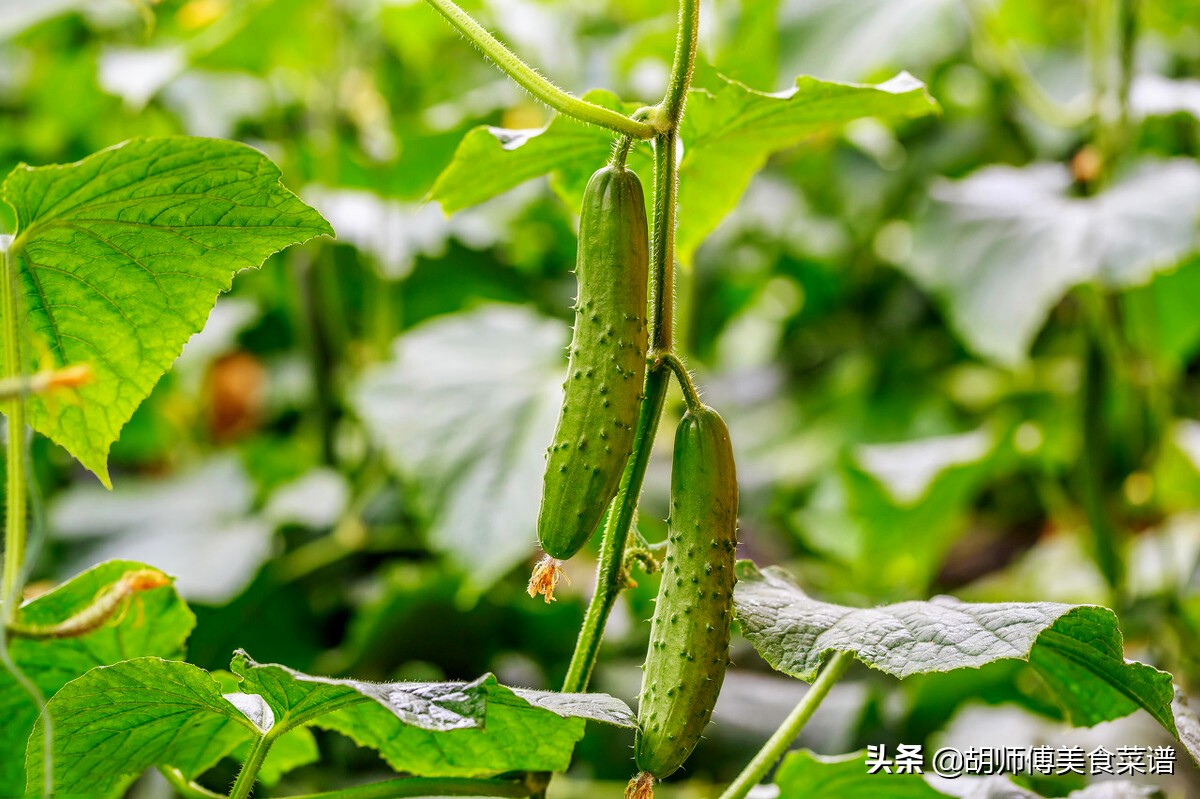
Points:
137	241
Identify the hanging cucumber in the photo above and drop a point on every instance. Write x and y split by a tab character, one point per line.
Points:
607	363
689	638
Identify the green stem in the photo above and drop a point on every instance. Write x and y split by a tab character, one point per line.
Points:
690	395
16	497
529	79
425	786
610	576
779	743
246	778
1093	465
684	63
1127	28
185	787
14	410
662	245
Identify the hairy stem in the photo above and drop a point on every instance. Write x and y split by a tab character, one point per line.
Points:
246	778
690	395
15	498
426	786
185	787
1099	362
662	245
779	743
610	578
684	63
529	79
14	410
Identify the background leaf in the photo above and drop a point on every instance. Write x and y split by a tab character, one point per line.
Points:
197	525
1003	246
466	409
121	257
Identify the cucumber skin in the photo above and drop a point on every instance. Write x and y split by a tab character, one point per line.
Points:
689	638
607	364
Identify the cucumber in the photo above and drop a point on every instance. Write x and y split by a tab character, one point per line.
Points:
607	364
689	638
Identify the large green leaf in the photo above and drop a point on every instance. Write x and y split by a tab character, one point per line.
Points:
1076	649
727	136
115	722
1001	247
121	257
466	410
907	498
729	133
156	622
474	729
491	160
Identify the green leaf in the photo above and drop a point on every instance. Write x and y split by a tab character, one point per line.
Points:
867	38
1075	649
907	498
156	622
804	774
465	410
491	160
1160	318
1002	247
197	523
474	729
728	135
121	257
117	721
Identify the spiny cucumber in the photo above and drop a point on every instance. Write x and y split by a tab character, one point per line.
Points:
689	637
607	363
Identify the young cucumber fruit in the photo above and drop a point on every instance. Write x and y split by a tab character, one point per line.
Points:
607	364
689	638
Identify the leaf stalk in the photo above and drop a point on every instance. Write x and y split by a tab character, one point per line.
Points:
533	82
244	785
14	410
782	739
